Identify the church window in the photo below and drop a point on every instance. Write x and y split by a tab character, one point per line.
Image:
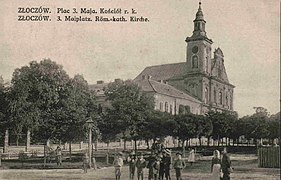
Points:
220	97
215	96
166	107
171	109
230	102
195	61
226	99
206	95
206	65
161	106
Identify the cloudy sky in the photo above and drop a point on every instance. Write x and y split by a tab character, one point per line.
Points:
246	30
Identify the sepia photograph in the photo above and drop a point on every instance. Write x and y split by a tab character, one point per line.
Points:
140	90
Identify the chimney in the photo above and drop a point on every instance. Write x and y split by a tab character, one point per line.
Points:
100	82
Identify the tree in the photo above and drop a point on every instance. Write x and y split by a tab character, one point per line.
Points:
3	107
222	124
130	107
204	127
185	127
274	127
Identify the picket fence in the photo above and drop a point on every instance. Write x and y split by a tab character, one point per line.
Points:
269	157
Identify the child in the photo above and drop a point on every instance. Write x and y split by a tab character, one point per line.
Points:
118	163
179	166
85	162
141	164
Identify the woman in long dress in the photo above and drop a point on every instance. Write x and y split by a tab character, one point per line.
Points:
191	157
216	166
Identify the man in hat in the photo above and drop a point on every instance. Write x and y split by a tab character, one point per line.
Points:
226	165
118	163
132	165
161	168
58	156
167	164
140	164
179	165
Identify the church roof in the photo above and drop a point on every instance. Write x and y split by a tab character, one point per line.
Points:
163	72
149	85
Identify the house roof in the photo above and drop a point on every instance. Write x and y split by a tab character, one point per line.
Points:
149	85
163	72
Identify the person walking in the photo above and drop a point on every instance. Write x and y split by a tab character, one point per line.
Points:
118	163
226	165
216	166
140	164
191	157
179	165
58	156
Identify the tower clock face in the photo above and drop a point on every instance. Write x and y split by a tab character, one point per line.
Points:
195	49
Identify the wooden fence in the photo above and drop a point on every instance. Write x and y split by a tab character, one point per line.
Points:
269	157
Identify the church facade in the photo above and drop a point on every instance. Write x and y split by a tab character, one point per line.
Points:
198	85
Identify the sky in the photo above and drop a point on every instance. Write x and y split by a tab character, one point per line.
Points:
247	31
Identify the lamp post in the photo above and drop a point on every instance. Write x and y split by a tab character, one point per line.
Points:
90	124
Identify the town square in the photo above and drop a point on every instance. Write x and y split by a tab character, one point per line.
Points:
134	90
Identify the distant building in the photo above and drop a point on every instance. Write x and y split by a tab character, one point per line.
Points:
198	85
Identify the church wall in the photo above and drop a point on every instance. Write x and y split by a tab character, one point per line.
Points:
225	100
171	104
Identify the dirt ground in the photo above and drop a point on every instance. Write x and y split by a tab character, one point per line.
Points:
108	174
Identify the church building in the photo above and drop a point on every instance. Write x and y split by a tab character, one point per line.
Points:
198	85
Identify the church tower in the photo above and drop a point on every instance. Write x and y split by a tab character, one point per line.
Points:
198	60
198	54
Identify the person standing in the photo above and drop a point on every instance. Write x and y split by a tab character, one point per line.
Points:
226	165
85	162
216	166
179	165
150	166
191	157
118	163
161	167
156	168
58	156
140	164
132	165
167	164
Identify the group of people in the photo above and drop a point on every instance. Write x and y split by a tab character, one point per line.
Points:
221	167
159	165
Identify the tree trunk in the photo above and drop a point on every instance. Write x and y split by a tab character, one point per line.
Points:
124	144
183	148
135	146
147	143
200	143
70	153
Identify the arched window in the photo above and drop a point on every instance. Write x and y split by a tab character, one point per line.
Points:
215	96
161	106
195	61
220	97
226	99
206	95
206	65
166	107
230	102
171	108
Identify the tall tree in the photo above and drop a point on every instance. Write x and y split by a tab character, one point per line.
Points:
130	106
